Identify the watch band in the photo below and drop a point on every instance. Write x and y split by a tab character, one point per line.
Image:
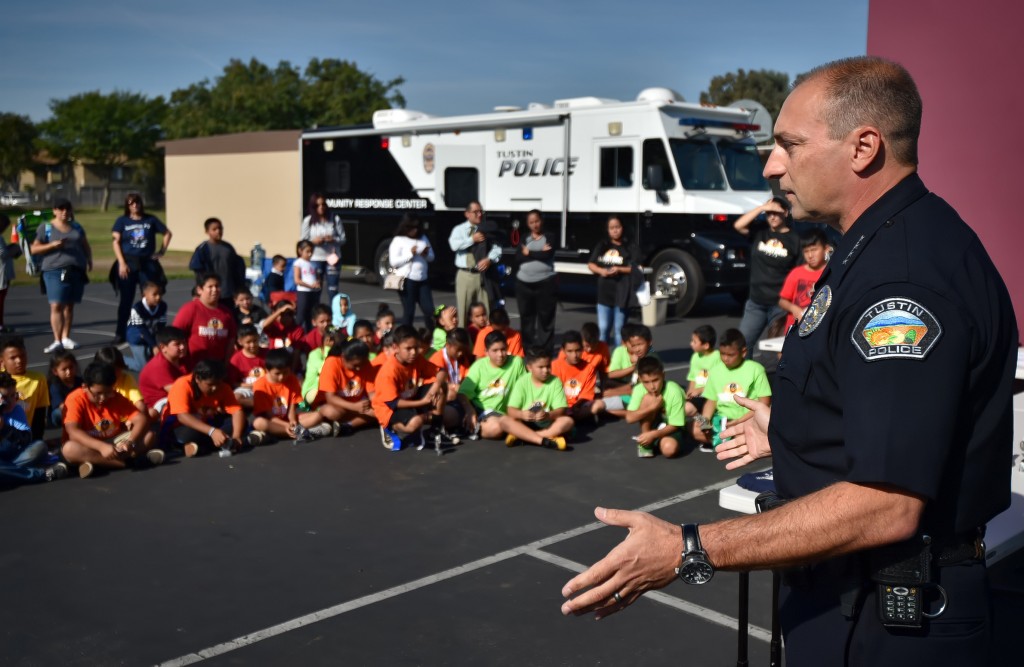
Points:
691	538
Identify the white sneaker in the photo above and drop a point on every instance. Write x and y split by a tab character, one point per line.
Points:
53	347
155	456
320	431
69	344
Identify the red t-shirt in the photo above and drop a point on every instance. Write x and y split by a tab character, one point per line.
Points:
184	398
211	331
799	288
100	421
157	374
515	342
278	336
577	381
243	371
337	378
312	340
397	380
275	399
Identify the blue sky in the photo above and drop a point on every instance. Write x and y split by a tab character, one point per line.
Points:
456	57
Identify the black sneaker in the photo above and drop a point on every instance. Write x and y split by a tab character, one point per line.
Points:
56	471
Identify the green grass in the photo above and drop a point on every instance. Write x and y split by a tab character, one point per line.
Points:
97	226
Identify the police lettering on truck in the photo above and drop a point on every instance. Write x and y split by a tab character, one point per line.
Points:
676	174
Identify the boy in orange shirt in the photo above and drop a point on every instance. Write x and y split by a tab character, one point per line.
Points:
405	400
275	399
204	413
346	382
247	364
102	427
499	322
455	359
579	378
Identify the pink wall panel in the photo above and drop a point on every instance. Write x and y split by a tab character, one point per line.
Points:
968	61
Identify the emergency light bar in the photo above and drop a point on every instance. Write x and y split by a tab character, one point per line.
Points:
703	122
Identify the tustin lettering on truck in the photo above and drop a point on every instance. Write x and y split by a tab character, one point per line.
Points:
676	174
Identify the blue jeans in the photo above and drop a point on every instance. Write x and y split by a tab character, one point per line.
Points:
609	322
415	292
136	357
756	317
28	465
331	273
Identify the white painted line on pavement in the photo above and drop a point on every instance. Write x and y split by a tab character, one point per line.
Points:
336	610
690	608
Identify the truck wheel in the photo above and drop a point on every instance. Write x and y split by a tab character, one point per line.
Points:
381	264
677	275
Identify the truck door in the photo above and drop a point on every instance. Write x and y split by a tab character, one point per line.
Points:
616	188
460	176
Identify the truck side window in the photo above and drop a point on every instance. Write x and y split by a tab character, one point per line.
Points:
461	186
617	167
338	176
655	154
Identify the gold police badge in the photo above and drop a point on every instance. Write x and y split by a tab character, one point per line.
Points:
816	311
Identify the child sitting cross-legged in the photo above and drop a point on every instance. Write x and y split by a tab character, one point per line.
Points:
103	428
346	383
410	392
275	399
657	405
579	378
734	376
247	364
125	384
483	394
204	413
536	405
21	457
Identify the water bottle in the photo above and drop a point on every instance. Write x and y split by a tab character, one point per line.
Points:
257	256
225	451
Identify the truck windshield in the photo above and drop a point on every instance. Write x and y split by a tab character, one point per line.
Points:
708	165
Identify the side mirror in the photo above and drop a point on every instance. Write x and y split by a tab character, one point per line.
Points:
654	177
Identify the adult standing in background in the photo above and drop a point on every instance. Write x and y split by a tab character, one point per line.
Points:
409	255
324	230
774	251
535	285
138	263
612	261
475	254
66	261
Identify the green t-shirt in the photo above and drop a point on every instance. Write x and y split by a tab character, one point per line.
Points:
620	360
525	393
489	387
440	338
748	380
700	367
674	398
314	362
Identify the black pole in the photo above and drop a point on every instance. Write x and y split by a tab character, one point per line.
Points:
743	629
775	659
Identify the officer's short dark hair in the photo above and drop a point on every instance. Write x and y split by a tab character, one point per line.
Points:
733	338
494	337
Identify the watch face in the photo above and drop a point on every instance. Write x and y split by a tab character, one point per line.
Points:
696	572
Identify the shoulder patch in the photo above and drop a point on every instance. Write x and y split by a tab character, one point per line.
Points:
896	328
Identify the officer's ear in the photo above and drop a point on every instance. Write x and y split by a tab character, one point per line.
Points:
866	148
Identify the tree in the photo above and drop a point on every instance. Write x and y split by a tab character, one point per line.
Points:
17	134
249	97
107	130
765	86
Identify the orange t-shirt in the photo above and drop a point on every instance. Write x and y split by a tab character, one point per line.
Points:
275	399
577	381
183	398
455	368
380	359
397	380
515	342
337	378
100	421
599	356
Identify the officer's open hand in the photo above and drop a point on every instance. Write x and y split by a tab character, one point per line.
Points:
644	561
746	439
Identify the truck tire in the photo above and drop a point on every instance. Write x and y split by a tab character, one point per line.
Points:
677	275
381	264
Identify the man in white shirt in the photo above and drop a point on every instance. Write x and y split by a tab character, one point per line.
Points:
470	280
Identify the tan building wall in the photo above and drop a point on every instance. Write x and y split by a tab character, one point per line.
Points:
251	181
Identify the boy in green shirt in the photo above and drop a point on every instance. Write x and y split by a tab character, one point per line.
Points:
657	404
735	376
704	358
536	406
483	395
637	341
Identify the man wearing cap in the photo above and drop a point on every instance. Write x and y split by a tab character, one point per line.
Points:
892	423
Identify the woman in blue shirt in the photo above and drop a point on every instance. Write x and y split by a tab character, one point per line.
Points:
137	256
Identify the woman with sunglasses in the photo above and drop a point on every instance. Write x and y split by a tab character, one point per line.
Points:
323	229
774	250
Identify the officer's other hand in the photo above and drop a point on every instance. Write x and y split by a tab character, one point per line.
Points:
644	561
746	438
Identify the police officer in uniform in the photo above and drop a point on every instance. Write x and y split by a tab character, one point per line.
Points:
891	427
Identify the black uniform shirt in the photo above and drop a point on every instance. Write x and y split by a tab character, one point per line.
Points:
903	376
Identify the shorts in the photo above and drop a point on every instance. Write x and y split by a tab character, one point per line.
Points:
67	291
482	415
698	402
617	402
403	415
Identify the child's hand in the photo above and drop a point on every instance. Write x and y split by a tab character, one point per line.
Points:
646	439
219	438
109	452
